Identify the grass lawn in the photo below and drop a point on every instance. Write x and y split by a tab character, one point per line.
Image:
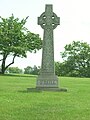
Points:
18	104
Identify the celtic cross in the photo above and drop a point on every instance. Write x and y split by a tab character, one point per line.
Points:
48	21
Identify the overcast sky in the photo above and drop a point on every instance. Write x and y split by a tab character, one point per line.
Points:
74	23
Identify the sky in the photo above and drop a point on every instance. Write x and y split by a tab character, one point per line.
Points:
74	23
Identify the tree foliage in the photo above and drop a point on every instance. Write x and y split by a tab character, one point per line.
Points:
14	70
32	70
76	58
16	40
61	69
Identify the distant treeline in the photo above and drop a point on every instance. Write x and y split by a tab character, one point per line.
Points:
76	62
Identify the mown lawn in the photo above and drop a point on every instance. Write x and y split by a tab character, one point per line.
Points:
18	104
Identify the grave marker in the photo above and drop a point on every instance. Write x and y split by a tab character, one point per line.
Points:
47	80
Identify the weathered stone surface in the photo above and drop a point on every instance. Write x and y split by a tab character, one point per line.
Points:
48	21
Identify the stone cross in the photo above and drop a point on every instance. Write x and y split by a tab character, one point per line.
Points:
48	21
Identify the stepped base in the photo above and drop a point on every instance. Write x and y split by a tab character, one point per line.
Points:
47	89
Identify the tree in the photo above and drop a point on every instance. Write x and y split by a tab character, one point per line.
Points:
28	70
35	70
14	70
76	57
61	69
32	70
16	40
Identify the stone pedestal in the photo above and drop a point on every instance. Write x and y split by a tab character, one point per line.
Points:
47	81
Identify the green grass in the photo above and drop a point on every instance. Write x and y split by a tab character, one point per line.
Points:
18	104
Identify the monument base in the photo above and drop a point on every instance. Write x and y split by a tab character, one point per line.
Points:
47	80
46	89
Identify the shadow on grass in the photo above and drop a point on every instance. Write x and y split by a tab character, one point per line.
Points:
44	89
30	90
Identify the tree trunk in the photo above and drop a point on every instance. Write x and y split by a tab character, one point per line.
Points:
3	66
